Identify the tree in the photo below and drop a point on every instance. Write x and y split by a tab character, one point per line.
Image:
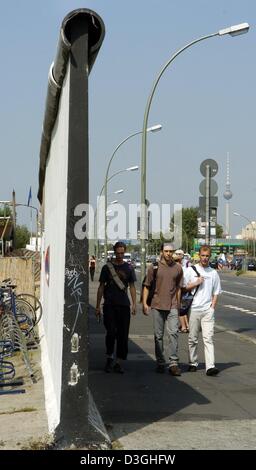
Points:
189	227
5	211
22	236
219	231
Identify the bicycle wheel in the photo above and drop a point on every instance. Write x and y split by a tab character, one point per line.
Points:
24	314
36	304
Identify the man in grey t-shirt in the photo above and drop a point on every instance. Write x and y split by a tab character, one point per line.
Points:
164	307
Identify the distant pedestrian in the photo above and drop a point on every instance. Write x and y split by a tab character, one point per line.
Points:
164	307
202	310
92	266
115	278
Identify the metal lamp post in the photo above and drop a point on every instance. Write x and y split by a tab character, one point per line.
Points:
37	219
131	168
233	31
253	233
119	191
155	128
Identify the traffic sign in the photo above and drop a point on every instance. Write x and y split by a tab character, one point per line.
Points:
213	188
213	165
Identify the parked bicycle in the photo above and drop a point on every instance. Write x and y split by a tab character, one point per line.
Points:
22	310
25	306
14	322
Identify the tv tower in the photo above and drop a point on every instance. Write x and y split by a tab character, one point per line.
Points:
227	195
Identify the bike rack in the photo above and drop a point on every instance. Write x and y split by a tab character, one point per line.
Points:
7	370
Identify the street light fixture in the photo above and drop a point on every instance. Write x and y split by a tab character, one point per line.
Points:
251	224
232	30
130	168
155	128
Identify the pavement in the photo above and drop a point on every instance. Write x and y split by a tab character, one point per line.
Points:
23	420
143	410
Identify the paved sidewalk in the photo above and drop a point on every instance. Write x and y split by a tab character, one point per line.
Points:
23	420
145	410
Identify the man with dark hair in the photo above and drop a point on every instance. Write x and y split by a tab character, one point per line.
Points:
115	278
202	310
164	307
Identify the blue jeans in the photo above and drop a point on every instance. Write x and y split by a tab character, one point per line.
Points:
171	319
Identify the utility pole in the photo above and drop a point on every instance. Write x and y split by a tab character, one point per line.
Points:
14	218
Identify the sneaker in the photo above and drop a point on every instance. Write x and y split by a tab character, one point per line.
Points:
192	368
174	370
118	368
212	371
160	368
108	365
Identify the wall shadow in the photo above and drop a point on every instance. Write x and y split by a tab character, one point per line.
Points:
140	396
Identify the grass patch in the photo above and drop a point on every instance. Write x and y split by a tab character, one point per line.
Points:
240	271
44	443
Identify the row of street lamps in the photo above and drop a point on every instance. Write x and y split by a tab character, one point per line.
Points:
232	31
251	224
155	128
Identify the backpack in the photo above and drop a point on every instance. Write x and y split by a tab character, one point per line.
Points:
152	287
187	297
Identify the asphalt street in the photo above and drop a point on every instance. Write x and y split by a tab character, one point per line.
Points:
237	304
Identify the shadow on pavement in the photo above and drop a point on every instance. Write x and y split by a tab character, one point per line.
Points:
141	407
139	396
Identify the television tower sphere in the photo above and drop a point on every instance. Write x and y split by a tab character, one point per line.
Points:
228	194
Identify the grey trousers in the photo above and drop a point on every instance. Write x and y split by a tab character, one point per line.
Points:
171	319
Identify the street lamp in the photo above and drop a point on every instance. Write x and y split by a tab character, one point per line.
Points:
233	31
155	128
130	168
119	191
37	219
251	224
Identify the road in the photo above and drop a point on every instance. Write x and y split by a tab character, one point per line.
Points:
236	309
237	304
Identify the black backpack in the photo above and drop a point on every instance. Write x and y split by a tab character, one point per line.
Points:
187	297
152	287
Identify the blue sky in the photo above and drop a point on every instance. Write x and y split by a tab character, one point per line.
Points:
205	101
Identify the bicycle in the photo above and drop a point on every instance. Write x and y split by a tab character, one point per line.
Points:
22	310
7	371
36	304
10	331
24	304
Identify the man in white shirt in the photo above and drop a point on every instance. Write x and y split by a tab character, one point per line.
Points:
202	310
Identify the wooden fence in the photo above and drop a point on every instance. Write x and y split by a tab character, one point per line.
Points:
22	272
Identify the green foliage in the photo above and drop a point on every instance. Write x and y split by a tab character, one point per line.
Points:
189	227
5	211
219	231
22	236
239	272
